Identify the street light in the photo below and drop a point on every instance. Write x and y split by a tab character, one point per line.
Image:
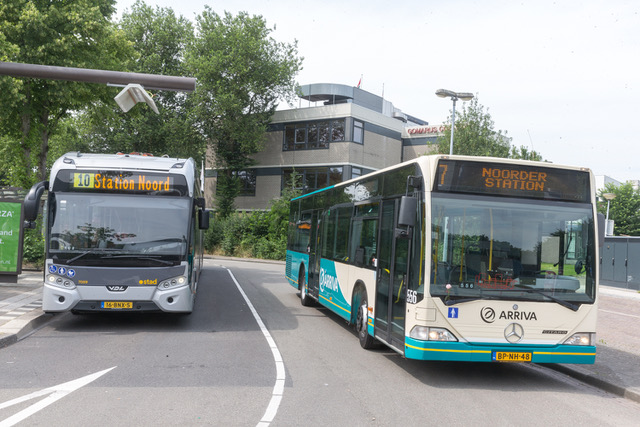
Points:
465	96
608	197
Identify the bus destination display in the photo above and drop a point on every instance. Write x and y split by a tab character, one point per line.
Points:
460	176
122	182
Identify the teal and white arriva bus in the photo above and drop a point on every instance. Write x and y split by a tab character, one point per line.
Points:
123	233
456	258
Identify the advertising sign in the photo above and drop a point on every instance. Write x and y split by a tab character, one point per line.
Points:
10	239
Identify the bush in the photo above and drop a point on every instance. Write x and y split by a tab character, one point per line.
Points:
33	248
260	234
214	235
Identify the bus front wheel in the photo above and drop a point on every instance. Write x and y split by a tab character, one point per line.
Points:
362	320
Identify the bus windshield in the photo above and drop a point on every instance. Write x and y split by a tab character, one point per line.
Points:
516	249
122	230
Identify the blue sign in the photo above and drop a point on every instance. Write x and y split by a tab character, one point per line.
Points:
53	269
453	313
71	273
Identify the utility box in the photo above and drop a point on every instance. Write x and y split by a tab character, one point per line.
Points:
620	262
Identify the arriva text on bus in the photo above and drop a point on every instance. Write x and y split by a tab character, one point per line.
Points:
328	281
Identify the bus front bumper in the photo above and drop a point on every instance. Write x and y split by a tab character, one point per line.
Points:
457	351
97	298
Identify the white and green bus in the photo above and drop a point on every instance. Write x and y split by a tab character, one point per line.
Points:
456	258
123	233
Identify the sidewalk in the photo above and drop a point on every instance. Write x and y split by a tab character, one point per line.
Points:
618	341
21	307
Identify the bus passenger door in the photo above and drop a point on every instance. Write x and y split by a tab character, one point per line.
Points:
314	255
391	279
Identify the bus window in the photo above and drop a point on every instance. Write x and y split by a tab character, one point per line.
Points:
364	235
335	233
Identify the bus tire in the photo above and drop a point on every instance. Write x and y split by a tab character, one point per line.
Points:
305	299
362	320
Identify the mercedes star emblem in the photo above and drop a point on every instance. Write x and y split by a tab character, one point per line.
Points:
513	332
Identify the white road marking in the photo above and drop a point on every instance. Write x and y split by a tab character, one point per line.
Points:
278	388
621	314
54	393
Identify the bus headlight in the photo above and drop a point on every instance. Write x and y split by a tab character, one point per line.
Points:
425	333
174	282
61	282
581	338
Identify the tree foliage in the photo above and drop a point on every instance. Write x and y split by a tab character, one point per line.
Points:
475	135
624	209
260	234
66	33
242	74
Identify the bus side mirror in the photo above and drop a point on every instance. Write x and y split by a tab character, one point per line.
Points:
32	203
203	219
408	209
601	227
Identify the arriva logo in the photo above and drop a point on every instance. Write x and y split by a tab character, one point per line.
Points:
328	281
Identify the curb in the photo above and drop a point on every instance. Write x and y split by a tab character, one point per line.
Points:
255	260
24	326
607	386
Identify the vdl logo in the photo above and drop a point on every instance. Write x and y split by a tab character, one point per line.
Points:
488	314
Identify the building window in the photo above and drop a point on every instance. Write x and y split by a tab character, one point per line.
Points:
358	131
312	135
247	180
337	130
356	172
312	179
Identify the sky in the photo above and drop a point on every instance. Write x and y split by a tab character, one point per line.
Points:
559	77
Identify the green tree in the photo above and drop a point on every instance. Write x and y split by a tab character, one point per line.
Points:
242	74
475	135
160	39
524	153
65	33
624	209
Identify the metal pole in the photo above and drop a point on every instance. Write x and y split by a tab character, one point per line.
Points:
453	123
606	222
149	81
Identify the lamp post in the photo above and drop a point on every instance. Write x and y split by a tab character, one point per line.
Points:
608	197
465	96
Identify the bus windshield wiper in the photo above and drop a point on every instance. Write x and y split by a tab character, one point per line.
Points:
562	302
77	257
460	300
454	300
80	255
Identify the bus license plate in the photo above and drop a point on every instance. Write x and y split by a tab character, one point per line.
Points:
509	356
117	304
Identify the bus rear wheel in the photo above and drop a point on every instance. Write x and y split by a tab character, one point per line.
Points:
362	320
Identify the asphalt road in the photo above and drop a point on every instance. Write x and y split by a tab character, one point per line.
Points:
304	366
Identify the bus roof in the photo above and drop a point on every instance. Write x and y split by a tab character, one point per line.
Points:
119	161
